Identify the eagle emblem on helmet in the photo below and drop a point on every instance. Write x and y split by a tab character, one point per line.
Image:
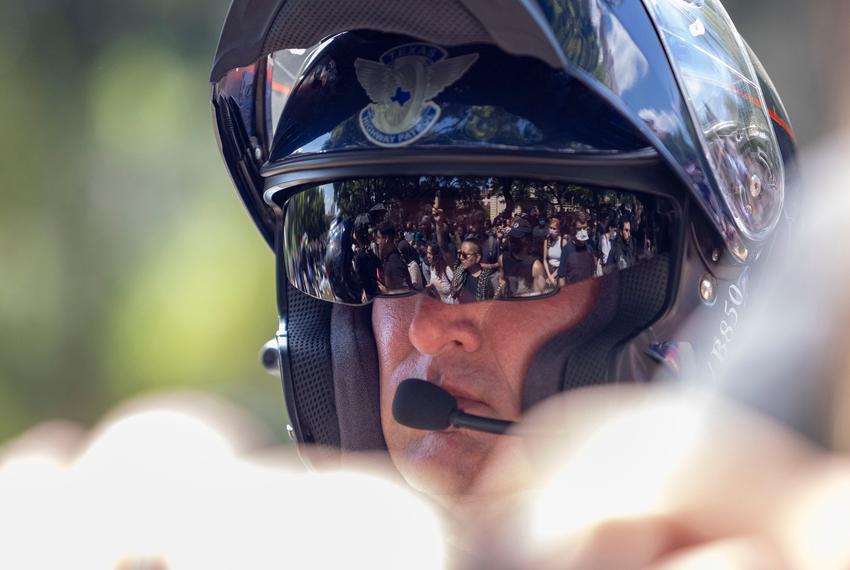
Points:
401	85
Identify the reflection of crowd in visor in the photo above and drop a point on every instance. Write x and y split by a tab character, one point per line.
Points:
454	251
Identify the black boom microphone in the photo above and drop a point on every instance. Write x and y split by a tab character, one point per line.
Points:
423	405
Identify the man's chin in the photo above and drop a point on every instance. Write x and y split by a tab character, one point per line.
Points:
443	464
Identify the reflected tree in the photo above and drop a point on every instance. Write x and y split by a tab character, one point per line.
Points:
308	216
576	32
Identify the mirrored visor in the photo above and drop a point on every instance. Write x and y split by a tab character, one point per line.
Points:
464	239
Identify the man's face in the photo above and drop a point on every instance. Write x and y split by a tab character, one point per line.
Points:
478	352
469	255
626	231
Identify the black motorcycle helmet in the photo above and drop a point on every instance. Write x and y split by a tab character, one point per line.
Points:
334	118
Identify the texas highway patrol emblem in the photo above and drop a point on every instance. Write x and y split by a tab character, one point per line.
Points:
401	85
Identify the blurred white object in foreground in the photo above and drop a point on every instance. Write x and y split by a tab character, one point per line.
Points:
657	477
165	484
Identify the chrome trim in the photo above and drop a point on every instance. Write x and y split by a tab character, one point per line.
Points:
643	171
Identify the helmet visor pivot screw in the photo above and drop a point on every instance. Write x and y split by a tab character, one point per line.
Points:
708	289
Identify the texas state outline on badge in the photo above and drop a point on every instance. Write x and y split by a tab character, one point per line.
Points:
401	85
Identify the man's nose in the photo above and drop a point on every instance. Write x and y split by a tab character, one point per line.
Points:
438	327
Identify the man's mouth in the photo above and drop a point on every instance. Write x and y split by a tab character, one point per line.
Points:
466	400
466	384
465	404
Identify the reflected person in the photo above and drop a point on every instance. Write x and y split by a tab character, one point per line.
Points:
471	282
623	250
394	275
521	272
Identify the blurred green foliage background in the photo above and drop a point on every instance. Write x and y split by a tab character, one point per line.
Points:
127	262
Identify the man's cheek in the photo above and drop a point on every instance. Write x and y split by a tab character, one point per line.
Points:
391	322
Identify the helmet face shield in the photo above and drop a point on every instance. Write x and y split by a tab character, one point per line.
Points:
462	239
697	97
719	81
462	97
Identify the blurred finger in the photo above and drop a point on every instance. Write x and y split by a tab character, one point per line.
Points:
746	553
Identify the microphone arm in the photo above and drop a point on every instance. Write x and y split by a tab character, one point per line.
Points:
461	419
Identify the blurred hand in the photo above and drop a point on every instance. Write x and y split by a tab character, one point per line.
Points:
184	481
655	478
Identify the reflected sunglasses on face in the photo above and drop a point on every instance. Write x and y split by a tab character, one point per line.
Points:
320	222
